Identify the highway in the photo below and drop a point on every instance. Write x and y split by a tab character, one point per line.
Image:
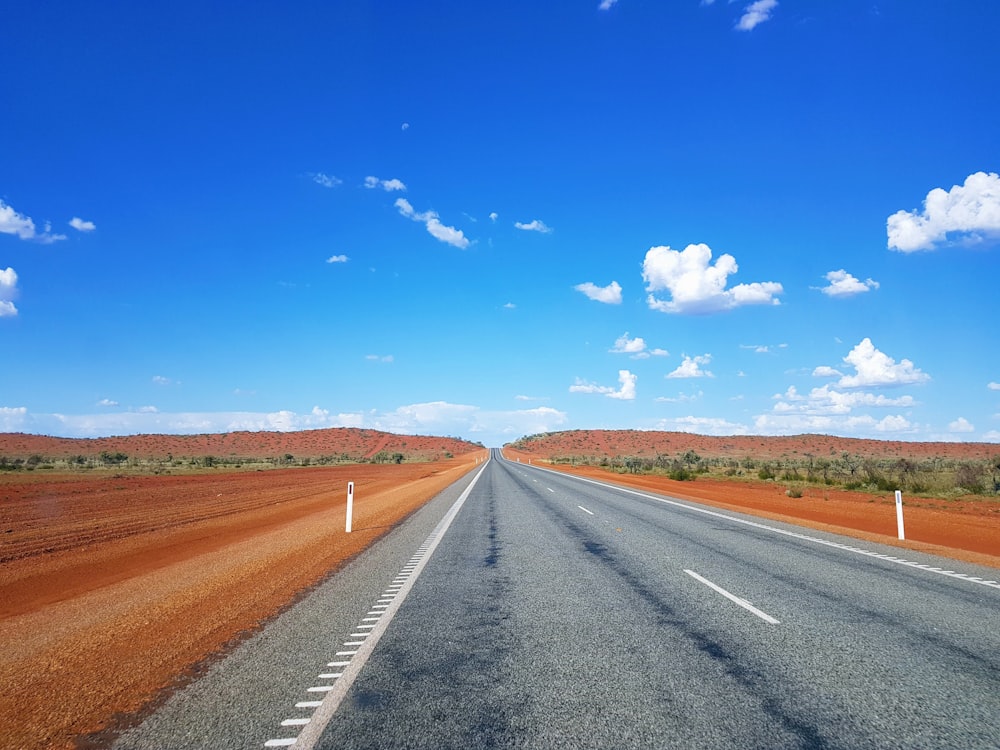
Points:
526	608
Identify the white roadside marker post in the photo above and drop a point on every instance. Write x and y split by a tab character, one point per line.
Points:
899	514
350	504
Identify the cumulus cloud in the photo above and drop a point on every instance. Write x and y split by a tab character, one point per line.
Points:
826	400
625	345
326	180
8	291
991	386
961	425
337	259
968	212
636	348
843	284
606	4
756	13
430	219
691	367
11	222
107	402
626	391
389	186
873	368
494	216
610	294
82	226
533	226
697	286
823	371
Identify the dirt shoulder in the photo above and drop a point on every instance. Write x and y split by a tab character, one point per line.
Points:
110	587
960	529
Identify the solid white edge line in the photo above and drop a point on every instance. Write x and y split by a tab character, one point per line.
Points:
733	598
585	510
321	717
803	537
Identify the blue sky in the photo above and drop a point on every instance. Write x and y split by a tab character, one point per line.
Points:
494	219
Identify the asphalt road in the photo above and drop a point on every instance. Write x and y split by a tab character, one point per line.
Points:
555	612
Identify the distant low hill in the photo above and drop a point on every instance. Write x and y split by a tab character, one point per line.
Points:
649	444
345	443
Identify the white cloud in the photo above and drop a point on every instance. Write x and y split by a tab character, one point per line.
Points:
826	372
433	418
993	386
327	181
388	185
691	368
533	226
405	126
386	358
107	402
510	306
828	401
626	392
843	284
970	212
697	287
681	398
876	369
610	294
606	4
161	380
636	348
494	216
625	345
864	424
756	13
8	291
82	226
11	222
452	236
961	425
337	259
702	426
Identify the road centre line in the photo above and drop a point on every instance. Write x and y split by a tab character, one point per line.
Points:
585	510
732	597
783	532
312	732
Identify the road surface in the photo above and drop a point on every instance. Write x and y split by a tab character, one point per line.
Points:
525	608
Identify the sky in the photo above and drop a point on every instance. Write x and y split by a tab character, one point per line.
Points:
490	219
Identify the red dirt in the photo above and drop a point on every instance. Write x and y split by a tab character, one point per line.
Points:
649	443
355	443
112	586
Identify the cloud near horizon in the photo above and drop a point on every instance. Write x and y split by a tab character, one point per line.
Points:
430	418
